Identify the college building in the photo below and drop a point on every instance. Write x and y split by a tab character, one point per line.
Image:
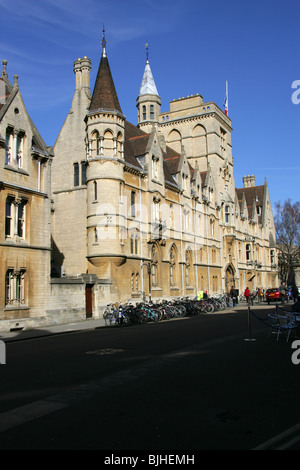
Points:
136	210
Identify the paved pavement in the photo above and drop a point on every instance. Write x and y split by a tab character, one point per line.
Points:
100	323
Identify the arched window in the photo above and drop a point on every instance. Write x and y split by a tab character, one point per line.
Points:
120	146
173	263
199	141
174	140
188	261
137	282
154	263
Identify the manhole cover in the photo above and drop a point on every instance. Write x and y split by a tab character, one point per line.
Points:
102	352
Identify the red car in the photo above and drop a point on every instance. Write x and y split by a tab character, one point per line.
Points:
272	294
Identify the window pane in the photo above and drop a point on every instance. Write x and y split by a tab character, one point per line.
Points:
76	174
83	173
8	218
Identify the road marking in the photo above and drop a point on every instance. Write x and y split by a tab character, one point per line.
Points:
103	352
283	440
45	406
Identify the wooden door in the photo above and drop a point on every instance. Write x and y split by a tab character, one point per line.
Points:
89	300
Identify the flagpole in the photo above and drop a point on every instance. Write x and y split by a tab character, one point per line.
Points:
227	95
226	99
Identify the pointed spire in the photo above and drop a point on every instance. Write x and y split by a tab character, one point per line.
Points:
148	86
104	95
103	42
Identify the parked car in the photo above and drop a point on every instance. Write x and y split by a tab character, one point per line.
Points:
272	294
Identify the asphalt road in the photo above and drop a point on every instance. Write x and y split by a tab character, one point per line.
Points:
184	385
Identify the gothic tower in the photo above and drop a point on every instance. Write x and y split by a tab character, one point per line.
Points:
105	133
148	102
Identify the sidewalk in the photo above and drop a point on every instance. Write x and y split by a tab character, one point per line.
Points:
91	324
19	335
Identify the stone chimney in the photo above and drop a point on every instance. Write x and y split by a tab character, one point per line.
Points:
249	181
82	68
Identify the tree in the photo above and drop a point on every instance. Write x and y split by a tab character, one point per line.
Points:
287	225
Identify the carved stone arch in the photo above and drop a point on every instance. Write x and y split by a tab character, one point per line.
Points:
174	140
108	143
199	140
230	272
155	255
120	145
173	247
174	266
189	267
95	143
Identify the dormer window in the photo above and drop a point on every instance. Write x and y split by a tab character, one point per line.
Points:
14	147
8	146
184	182
155	167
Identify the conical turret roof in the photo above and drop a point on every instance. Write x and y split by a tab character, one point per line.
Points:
148	86
104	95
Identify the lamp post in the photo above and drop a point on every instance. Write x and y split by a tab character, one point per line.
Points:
148	265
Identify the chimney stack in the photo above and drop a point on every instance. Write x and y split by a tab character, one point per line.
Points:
82	68
249	181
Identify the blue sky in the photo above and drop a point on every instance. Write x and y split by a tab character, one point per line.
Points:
194	47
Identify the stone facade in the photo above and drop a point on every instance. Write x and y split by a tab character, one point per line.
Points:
153	208
120	212
25	247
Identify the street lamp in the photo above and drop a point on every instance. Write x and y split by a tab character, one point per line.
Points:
148	265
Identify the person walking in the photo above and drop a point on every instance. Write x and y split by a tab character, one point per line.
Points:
259	295
247	294
282	292
233	295
295	292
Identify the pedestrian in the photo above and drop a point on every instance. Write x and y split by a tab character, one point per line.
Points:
295	292
233	296
259	295
247	294
282	292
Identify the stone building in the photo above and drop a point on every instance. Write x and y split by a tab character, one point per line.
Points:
151	209
25	248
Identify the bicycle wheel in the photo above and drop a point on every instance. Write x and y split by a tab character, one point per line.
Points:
209	308
113	318
141	316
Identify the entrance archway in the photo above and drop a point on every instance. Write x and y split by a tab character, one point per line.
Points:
229	278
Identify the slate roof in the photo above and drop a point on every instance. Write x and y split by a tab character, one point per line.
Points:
104	95
38	143
254	193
